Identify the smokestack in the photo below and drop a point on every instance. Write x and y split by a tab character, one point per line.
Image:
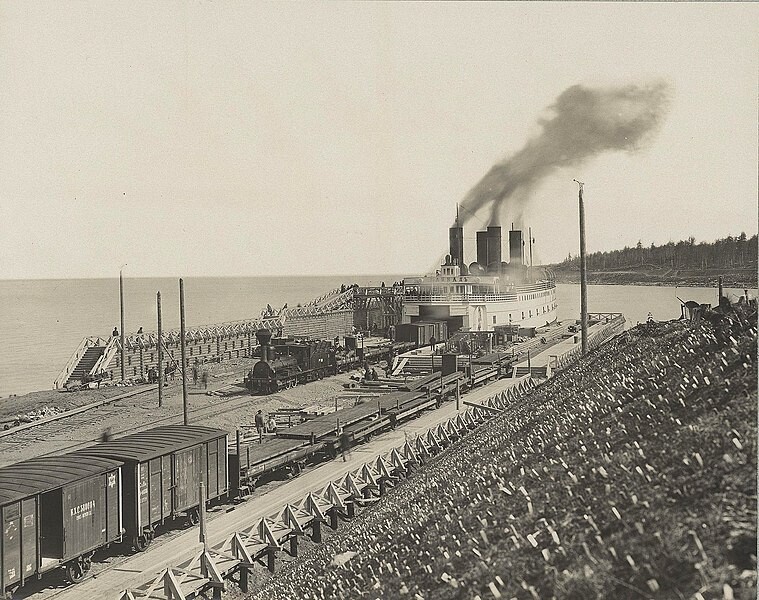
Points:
494	245
515	247
263	337
456	237
482	248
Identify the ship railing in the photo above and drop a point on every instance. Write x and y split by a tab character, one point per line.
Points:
532	287
76	356
374	291
462	298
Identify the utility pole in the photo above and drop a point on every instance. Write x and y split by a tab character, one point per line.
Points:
121	304
583	275
160	351
184	360
203	537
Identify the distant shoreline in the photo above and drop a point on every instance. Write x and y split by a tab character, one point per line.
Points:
737	280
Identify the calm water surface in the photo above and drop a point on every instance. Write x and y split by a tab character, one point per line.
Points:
43	321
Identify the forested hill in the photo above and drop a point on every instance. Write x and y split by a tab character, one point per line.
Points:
681	263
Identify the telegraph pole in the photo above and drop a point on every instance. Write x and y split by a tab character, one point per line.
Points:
121	304
583	275
160	351
184	359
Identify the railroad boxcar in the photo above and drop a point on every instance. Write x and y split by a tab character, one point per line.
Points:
162	470
56	511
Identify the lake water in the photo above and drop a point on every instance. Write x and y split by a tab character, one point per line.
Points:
43	321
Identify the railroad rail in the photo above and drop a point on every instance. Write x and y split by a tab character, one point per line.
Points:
210	567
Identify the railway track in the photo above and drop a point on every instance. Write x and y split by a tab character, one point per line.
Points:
47	431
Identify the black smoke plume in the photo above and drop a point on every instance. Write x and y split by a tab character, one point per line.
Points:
583	122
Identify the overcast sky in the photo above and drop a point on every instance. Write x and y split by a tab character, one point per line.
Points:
336	138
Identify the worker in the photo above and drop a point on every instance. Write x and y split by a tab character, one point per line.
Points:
259	420
271	425
345	444
195	372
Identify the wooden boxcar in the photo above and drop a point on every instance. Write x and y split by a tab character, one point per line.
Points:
163	468
56	511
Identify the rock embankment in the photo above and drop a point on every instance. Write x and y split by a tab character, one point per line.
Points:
630	475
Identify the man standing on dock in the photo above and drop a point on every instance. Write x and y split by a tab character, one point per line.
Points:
345	444
260	423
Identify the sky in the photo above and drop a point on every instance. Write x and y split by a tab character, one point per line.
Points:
245	139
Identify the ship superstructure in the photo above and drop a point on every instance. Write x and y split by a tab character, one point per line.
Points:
487	294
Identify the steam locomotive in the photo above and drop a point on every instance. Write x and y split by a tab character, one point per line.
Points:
285	363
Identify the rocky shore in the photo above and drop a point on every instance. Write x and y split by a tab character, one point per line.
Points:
631	474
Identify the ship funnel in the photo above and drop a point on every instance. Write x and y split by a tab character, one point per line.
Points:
515	247
482	248
456	237
494	245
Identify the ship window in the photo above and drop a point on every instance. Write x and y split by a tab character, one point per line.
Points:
523	314
493	319
530	313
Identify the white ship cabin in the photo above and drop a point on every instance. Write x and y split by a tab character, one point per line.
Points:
477	302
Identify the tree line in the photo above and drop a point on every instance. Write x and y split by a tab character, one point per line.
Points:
729	252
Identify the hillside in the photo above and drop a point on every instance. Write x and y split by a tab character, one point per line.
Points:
630	475
684	263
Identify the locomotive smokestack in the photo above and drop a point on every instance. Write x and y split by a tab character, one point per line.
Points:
263	337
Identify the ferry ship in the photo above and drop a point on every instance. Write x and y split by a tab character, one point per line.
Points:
489	294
